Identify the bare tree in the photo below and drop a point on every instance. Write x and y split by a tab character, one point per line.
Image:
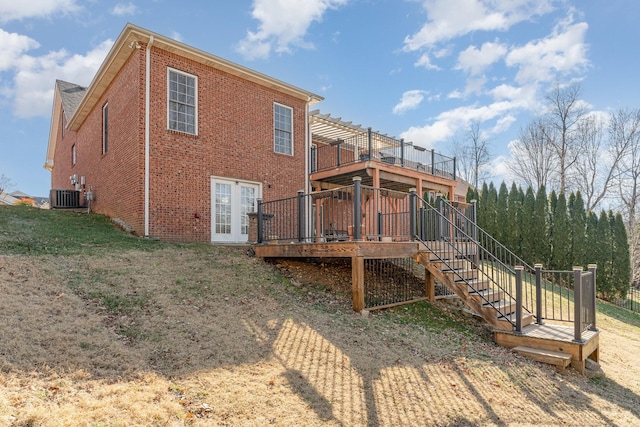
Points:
624	134
472	156
597	165
624	131
532	159
5	183
564	118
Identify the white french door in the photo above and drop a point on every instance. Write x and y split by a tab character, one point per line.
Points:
231	201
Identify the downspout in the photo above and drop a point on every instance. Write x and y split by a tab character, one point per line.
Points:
307	147
307	153
147	89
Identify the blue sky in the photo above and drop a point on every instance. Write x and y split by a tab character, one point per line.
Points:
419	69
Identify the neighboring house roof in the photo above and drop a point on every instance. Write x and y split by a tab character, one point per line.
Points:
19	194
6	199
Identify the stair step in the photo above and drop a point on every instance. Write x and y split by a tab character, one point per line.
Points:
477	285
527	319
454	264
467	274
506	307
561	360
491	295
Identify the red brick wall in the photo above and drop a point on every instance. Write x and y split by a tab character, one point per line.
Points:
62	167
117	177
235	140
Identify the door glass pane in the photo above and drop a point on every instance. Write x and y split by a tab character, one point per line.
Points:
247	204
223	209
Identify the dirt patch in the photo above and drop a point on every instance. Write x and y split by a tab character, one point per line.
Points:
199	335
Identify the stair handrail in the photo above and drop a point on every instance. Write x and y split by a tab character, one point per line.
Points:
480	235
480	230
491	246
460	232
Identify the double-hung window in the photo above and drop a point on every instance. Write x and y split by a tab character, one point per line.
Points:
182	102
283	129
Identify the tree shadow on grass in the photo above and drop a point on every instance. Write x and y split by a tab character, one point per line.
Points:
347	369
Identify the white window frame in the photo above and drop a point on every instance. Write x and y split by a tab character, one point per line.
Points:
74	157
195	106
105	128
275	129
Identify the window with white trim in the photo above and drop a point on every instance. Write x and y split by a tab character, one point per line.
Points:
73	154
182	104
105	128
283	129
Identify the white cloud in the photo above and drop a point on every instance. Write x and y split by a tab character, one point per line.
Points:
122	9
499	170
12	46
448	123
411	100
563	52
455	94
425	61
474	61
11	10
283	23
525	96
475	85
35	76
449	19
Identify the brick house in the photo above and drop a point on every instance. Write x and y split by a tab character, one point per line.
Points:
176	142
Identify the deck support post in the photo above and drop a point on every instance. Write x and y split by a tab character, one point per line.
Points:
402	152
357	283
473	218
519	269
538	268
577	304
592	299
301	223
433	161
430	285
380	226
370	143
357	208
260	221
439	220
454	168
412	213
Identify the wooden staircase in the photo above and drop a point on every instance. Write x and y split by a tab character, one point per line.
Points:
479	294
543	343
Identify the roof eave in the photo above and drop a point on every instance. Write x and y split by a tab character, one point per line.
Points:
123	48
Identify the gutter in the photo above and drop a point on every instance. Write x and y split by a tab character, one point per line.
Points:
307	157
147	102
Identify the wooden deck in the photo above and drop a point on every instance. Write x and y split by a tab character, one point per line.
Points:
546	337
364	249
556	338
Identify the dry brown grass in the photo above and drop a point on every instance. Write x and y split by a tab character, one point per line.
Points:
199	335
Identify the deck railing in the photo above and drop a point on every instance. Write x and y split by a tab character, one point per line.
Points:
359	213
382	148
355	212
